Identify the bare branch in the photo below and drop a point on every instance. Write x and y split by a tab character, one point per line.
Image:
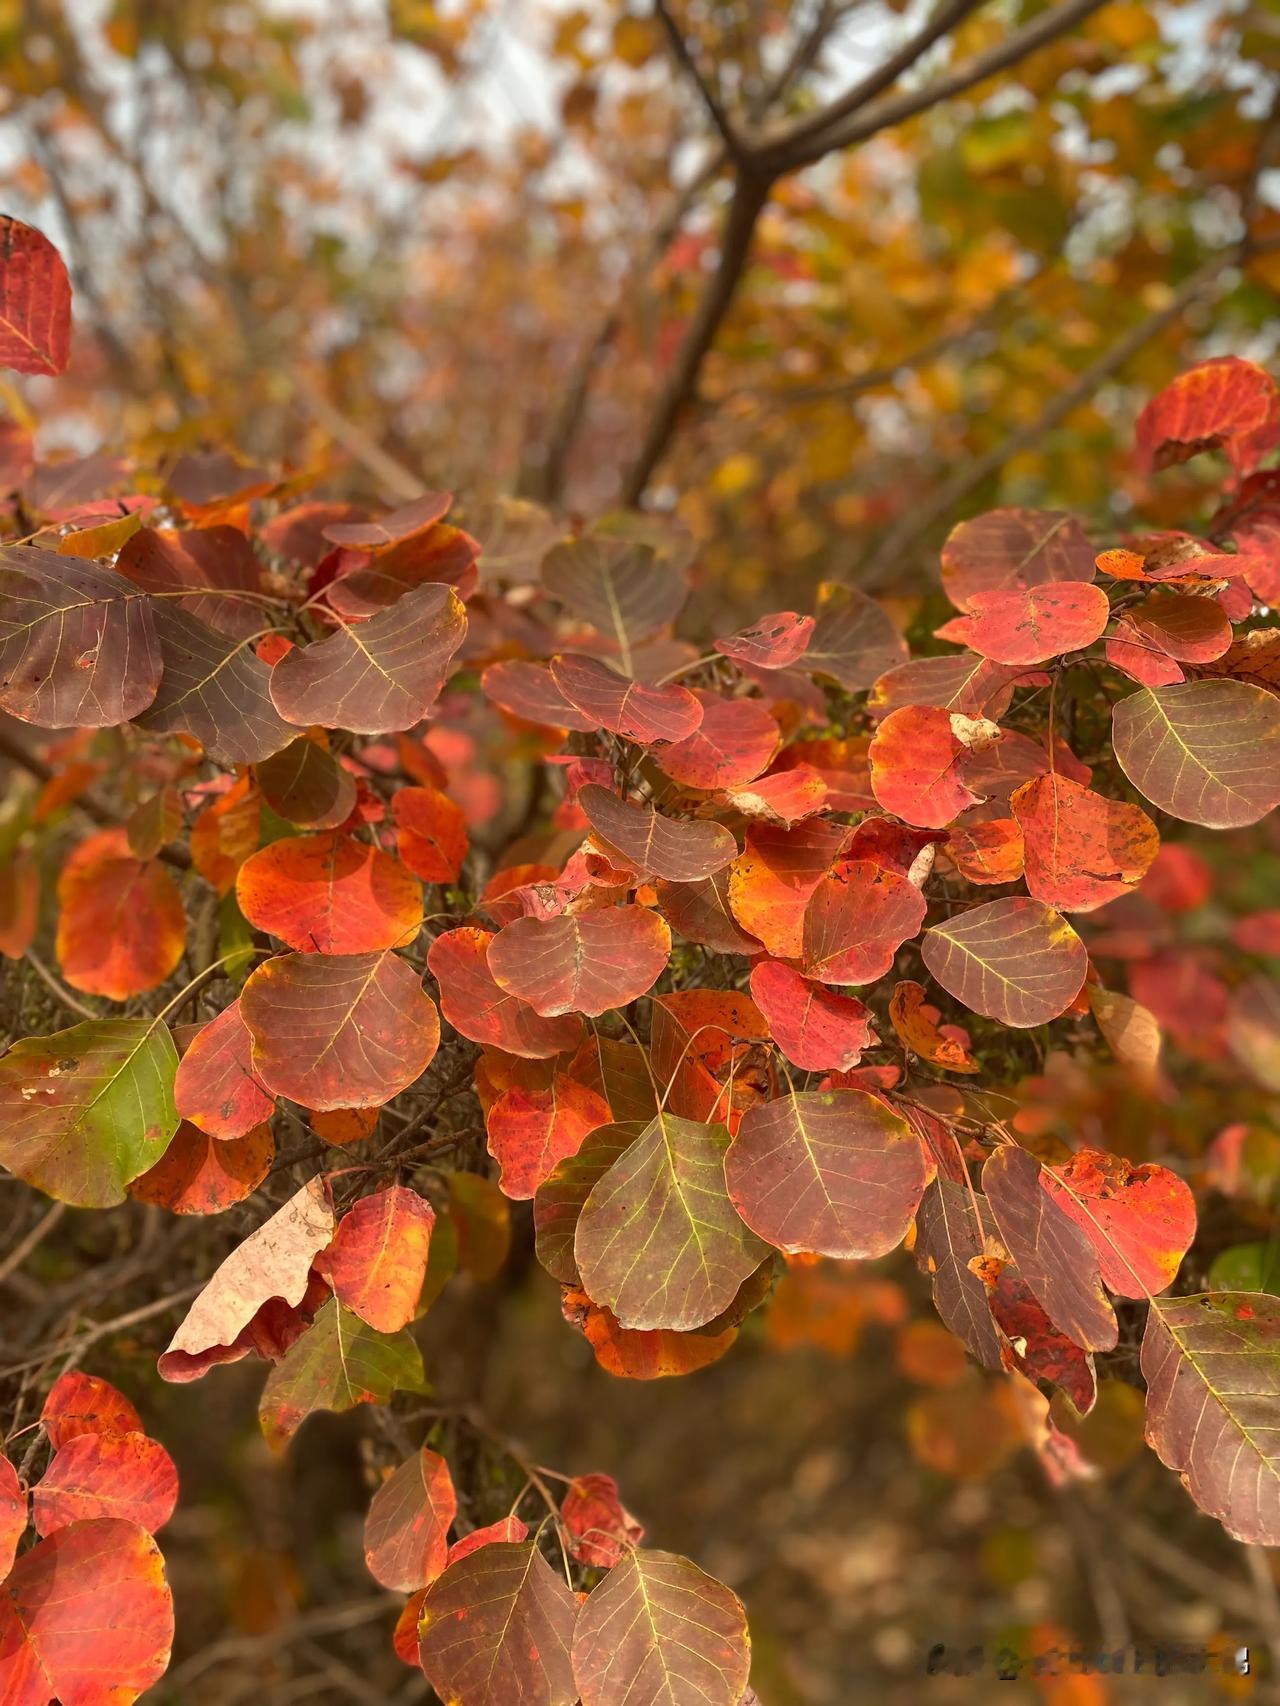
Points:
737	147
869	121
875	82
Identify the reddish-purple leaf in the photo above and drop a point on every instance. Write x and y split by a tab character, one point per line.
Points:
1013	548
653	716
734	742
529	691
478	1008
339	1030
497	1629
1053	1255
834	1173
584	962
683	850
1014	960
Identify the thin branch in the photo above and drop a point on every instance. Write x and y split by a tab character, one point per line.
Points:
1019	45
816	125
749	197
738	148
64	995
384	467
23	1248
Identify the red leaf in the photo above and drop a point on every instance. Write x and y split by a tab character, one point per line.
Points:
1013	548
199	1174
1081	849
603	1529
771	642
406	1533
330	894
119	1475
122	926
216	1087
431	833
509	1529
80	1404
1223	404
918	764
1140	1220
35	301
653	716
835	1173
378	1259
530	1132
587	962
86	1617
339	1030
734	742
477	1008
1030	625
13	1517
815	1028
771	880
679	849
856	920
529	691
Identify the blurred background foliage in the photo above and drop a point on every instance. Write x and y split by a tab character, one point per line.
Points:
461	245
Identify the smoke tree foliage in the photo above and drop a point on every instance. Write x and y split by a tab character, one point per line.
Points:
772	928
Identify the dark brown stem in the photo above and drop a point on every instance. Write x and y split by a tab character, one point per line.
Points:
750	193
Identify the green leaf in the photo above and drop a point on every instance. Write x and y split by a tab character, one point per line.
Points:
86	1110
337	1363
1246	1267
658	1241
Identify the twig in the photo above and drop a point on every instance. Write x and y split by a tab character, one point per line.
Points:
23	1248
367	451
72	1003
737	147
300	1629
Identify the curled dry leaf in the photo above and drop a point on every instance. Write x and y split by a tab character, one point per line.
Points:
274	1261
916	1024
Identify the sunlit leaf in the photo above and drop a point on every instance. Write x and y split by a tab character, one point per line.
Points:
1029	625
215	1087
658	1240
121	924
1014	960
406	1533
80	1403
329	893
815	1028
431	833
733	743
1080	849
1140	1220
86	1110
1219	404
530	1132
86	1617
378	1259
273	1261
1204	751
855	921
106	1475
35	300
